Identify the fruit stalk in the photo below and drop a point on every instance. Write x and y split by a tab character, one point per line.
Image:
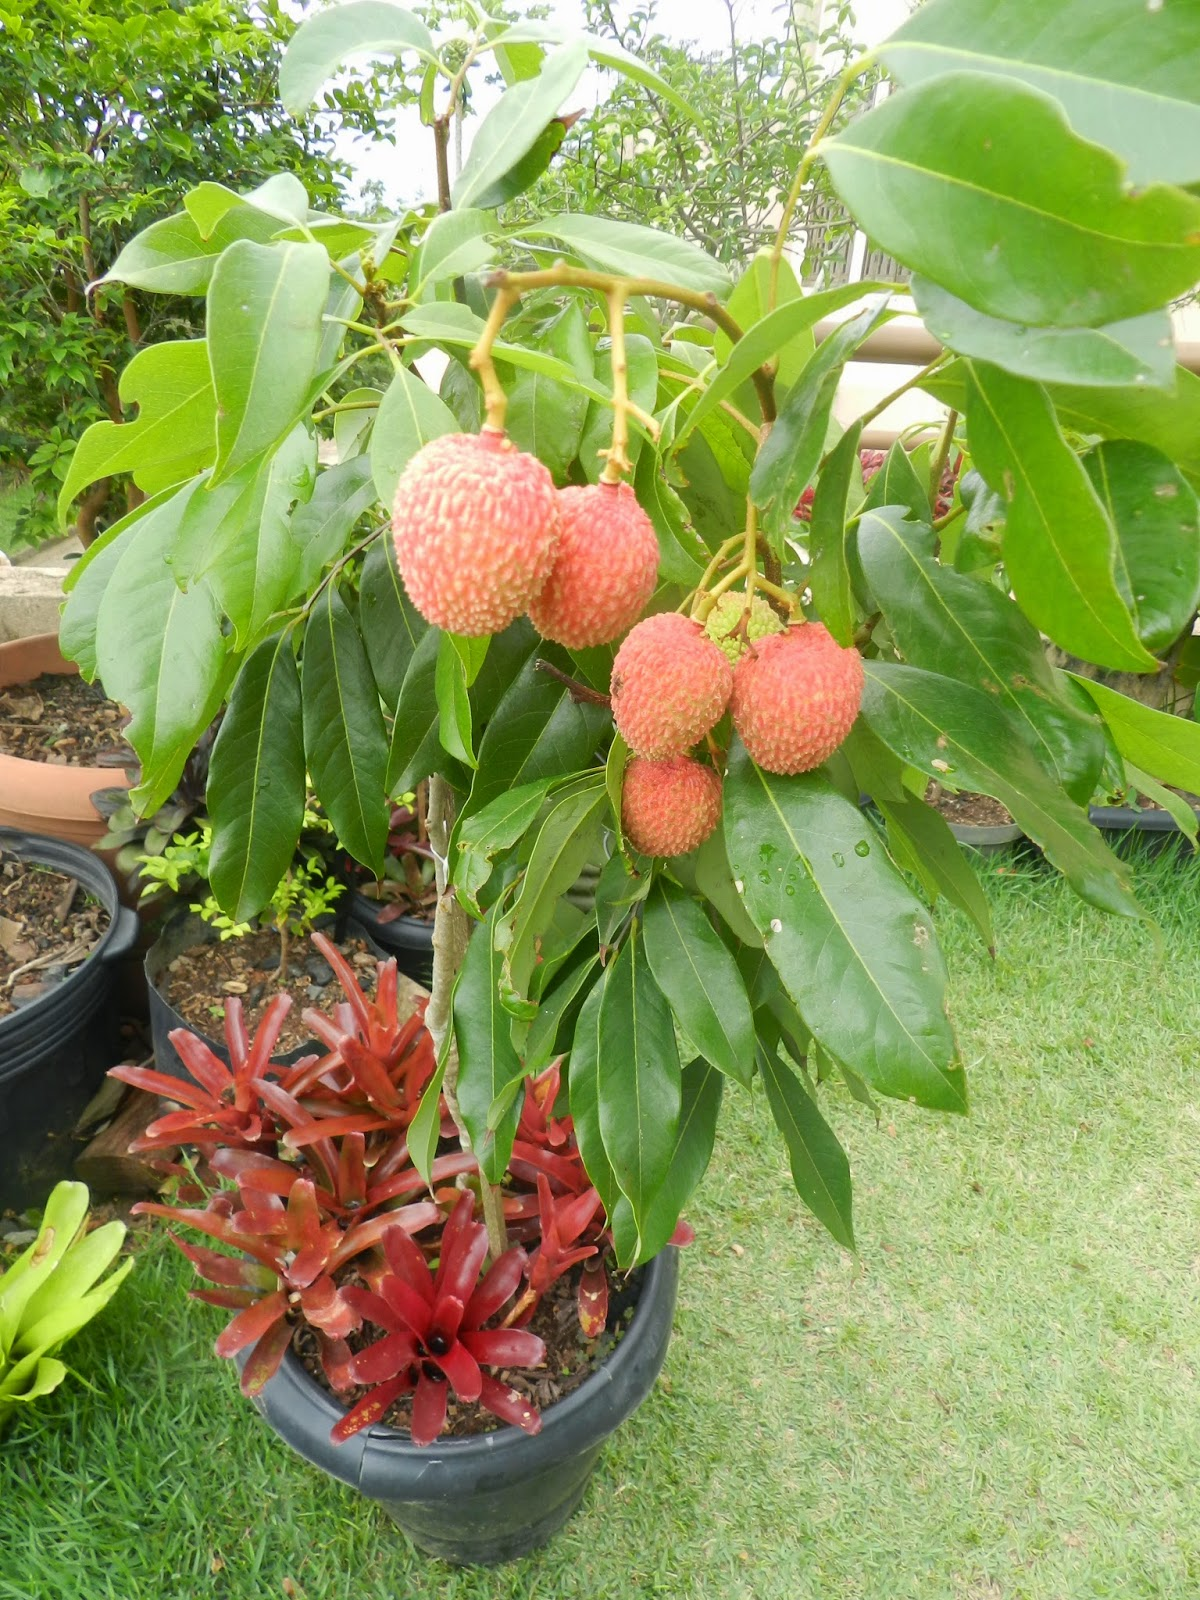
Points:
494	398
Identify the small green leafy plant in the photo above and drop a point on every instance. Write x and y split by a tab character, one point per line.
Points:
50	1293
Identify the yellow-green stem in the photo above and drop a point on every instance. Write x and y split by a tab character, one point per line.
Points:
494	398
617	463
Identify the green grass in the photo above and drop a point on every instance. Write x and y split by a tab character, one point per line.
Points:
997	1400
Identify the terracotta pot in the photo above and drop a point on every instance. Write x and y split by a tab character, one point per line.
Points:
38	795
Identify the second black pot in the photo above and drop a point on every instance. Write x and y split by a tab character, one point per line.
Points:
407	938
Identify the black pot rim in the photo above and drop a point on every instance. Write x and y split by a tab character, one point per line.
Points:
303	1414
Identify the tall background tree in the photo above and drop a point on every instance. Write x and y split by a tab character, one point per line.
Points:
110	115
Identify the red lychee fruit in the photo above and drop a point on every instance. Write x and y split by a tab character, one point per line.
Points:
604	571
669	807
476	529
796	697
669	685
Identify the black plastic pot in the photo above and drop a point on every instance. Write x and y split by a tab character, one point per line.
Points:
491	1498
55	1051
407	938
180	934
1148	830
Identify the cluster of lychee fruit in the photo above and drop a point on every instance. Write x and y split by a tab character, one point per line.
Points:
793	693
483	536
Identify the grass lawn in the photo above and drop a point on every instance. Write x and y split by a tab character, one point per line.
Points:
997	1400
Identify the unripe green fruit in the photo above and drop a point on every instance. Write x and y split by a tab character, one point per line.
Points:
723	622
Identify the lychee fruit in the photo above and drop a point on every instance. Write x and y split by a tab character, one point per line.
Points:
669	685
476	529
795	698
605	569
723	626
669	807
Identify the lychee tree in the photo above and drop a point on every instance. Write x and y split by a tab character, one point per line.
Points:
348	565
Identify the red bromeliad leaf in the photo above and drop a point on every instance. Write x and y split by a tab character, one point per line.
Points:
228	1299
386	1358
214	1225
237	1040
352	1170
160	1084
265	1037
684	1235
265	1358
509	1405
406	1261
372	1307
324	1306
355	999
464	1245
408	1307
325	1128
227	1270
337	1360
461	1369
593	1298
429	1409
370	1075
497	1288
371	1408
209	1071
411	1218
505	1347
250	1325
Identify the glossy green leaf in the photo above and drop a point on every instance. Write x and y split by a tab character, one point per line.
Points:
971	631
1137	351
958	735
177	256
634	251
829	565
325	41
604	52
88	577
937	857
344	739
456	242
1059	545
487	1062
639	1088
751	302
410	415
546	417
1155	514
392	627
322	524
700	980
256	781
449	323
682	555
897	483
713	878
1165	746
586	1073
486	833
170	669
1123	73
282	198
1167	800
173	435
515	122
265	304
789	456
820	1170
454	705
855	949
216	520
1057	237
701	1087
553	1018
425	1129
415	751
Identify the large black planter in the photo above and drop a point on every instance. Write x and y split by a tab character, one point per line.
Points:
483	1500
54	1052
409	939
1126	829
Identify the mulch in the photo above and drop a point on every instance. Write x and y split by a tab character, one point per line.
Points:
49	925
63	721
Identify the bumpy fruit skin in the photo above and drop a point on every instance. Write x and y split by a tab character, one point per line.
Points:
669	807
476	529
604	571
728	612
796	698
669	686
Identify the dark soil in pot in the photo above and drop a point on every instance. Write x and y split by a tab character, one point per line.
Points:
61	719
399	932
49	926
968	810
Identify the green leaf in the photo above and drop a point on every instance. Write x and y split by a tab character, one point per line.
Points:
282	198
1139	350
641	361
322	524
256	781
1155	514
634	251
546	417
820	1170
344	739
484	835
751	303
410	415
682	555
1056	235
175	256
326	40
565	842
265	304
174	434
446	322
1122	73
605	52
88	577
937	857
856	951
586	1073
776	332
392	627
171	668
789	456
554	1015
218	519
715	881
829	567
1059	546
1166	746
454	706
537	731
958	735
972	631
415	747
515	123
700	1105
897	483
640	1092
487	1062
700	980
456	242
425	1129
